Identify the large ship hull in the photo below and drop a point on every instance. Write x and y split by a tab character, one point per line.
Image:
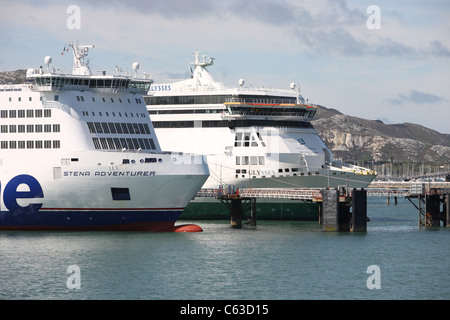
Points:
86	195
224	171
266	209
88	219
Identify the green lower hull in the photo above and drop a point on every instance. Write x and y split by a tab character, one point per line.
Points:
281	210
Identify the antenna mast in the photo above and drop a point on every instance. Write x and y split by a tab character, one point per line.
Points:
80	64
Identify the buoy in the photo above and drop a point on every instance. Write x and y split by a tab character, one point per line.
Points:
187	228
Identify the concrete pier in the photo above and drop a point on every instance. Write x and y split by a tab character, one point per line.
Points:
335	213
330	210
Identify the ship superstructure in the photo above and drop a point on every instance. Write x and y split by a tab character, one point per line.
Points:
79	152
252	137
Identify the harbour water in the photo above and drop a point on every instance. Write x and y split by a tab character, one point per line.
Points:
278	260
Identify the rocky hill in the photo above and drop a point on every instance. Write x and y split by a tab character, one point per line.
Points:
356	139
12	77
359	140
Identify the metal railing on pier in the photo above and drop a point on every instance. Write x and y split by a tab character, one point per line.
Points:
313	194
391	189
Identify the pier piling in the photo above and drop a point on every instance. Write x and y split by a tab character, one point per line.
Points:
236	213
447	210
359	210
237	205
432	208
330	210
335	213
252	220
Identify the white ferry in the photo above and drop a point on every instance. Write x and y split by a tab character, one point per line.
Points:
252	137
79	152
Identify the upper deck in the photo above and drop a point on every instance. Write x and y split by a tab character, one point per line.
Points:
202	94
76	111
82	79
103	84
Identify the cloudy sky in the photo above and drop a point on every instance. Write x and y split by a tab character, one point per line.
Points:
391	64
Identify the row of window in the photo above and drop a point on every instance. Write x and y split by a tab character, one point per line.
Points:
124	143
137	100
19	99
273	112
250	160
30	128
117	127
242	139
201	99
181	111
86	114
30	113
294	170
280	170
115	84
31	144
217	99
232	124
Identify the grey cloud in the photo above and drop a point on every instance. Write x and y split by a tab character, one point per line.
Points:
338	11
339	41
334	41
272	12
389	47
326	31
416	97
437	49
167	8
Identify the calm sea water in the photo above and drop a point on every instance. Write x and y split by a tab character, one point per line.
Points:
277	260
